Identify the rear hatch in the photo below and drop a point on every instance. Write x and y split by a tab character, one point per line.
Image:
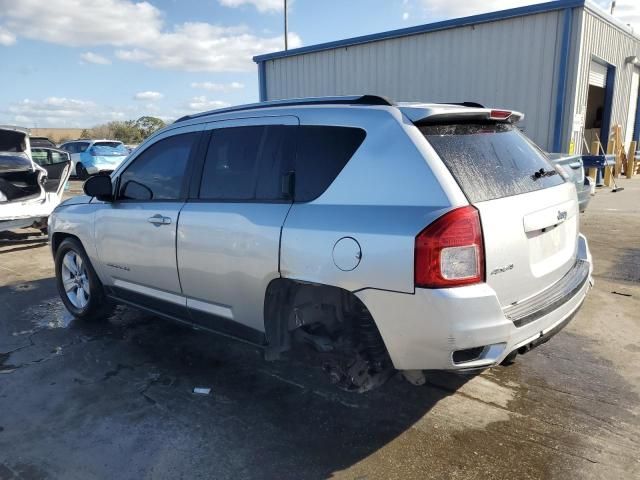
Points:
20	179
108	155
529	214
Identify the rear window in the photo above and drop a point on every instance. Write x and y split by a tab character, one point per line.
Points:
491	161
113	148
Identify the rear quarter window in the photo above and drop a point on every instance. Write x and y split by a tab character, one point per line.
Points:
492	160
322	153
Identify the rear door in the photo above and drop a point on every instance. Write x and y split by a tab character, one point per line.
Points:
229	233
529	214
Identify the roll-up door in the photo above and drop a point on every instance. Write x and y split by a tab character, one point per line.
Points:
597	74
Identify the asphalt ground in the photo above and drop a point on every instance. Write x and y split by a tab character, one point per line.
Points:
115	399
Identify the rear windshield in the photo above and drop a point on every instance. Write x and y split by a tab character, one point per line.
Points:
492	160
109	148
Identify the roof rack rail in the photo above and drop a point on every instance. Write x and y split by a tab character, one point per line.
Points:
344	100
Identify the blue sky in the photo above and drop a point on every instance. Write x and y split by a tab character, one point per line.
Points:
77	63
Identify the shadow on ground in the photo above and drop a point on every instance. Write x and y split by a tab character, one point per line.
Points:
117	397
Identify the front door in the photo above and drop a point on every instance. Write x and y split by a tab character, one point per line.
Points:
136	234
229	235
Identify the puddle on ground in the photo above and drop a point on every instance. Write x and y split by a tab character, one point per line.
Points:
51	314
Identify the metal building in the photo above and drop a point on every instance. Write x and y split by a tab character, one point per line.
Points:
570	67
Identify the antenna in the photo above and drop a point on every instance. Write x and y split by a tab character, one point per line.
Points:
613	6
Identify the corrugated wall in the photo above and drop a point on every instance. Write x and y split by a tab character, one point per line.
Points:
508	63
611	44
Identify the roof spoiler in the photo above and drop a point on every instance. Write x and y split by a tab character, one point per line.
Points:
455	113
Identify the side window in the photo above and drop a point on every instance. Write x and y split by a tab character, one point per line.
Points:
68	147
40	156
322	153
58	157
247	163
81	147
158	172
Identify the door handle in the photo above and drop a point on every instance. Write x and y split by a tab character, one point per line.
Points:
158	219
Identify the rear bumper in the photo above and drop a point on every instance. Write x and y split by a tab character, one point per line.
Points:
24	214
423	330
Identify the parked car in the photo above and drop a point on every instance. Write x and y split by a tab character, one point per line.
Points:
28	191
41	142
386	236
94	156
571	168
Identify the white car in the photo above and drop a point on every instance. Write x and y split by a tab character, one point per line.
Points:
28	192
89	157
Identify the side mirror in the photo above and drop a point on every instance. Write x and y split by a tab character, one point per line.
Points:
99	186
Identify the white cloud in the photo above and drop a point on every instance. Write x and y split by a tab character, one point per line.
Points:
138	32
91	57
58	111
627	11
261	5
202	103
6	37
218	87
449	9
79	23
196	46
148	95
68	112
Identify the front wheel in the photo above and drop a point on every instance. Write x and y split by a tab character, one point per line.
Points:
78	285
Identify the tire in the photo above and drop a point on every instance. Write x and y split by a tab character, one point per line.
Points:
509	359
78	285
81	172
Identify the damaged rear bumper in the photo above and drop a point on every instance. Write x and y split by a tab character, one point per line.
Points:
466	328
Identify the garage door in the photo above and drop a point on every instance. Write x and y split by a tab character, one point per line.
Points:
597	74
633	105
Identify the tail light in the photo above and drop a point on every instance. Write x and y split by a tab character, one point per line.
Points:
500	114
450	252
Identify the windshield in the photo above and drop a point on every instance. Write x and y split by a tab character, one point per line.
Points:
491	160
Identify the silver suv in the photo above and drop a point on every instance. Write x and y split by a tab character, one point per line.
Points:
386	236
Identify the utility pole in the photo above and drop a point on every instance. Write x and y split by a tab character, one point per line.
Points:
286	27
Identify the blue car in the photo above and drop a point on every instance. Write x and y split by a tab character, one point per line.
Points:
94	156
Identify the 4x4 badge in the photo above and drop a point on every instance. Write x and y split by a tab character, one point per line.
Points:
562	214
498	270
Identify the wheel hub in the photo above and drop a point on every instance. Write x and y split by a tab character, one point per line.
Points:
75	279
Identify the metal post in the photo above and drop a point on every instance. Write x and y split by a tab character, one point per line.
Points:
613	6
286	27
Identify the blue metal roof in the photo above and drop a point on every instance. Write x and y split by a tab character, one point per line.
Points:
430	27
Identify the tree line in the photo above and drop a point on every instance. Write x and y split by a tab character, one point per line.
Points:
128	131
